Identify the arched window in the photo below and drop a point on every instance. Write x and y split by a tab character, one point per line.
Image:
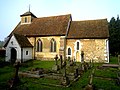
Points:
78	45
39	46
53	45
69	51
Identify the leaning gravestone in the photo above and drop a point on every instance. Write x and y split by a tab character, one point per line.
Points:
90	84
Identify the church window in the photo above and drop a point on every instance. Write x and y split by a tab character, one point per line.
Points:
69	51
39	46
78	45
25	19
53	45
26	52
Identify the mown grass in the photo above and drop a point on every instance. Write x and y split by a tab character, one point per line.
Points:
106	73
37	64
7	72
113	60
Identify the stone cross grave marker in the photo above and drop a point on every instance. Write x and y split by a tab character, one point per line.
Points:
65	79
61	60
56	66
16	77
56	58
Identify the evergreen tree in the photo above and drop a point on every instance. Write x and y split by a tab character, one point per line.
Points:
114	31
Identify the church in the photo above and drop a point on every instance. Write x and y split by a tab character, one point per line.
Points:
45	37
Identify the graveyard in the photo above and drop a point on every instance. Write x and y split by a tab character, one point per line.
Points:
60	75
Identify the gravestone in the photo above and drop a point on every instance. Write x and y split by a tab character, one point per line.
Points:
71	62
119	61
16	78
14	81
85	67
82	57
61	61
41	71
90	84
80	70
90	64
74	60
56	58
65	79
68	59
56	67
76	73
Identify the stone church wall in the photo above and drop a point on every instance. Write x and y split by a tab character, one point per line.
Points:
94	49
46	54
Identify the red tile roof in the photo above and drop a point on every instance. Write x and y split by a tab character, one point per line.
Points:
89	29
54	25
57	26
22	40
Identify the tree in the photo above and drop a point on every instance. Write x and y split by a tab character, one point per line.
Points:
114	31
1	44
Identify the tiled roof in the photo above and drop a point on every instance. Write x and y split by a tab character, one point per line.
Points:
89	29
22	40
54	25
28	13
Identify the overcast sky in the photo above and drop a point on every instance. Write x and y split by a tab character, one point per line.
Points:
10	10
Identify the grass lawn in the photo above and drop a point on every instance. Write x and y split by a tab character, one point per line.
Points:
7	72
113	60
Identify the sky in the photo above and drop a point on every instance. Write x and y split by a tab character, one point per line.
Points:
10	11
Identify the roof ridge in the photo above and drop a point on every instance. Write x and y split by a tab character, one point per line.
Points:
90	20
55	16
